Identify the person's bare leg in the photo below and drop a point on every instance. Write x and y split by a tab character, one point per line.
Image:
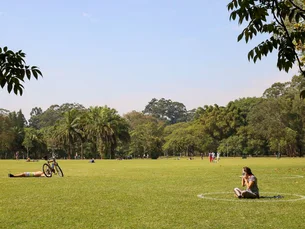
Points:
19	175
39	174
238	192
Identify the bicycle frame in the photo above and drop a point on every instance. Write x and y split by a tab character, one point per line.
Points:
52	167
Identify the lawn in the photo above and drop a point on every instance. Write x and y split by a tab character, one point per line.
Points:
159	193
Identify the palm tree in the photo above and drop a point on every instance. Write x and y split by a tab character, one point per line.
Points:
80	131
105	127
67	129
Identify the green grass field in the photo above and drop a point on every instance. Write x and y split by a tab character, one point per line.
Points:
152	194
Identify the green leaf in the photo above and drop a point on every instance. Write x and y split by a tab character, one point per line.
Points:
39	72
254	31
35	73
2	83
240	36
241	19
9	87
235	3
279	64
291	15
230	6
16	89
270	46
233	15
297	17
246	35
274	42
28	73
250	54
286	68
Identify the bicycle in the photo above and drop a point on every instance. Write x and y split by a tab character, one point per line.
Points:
51	167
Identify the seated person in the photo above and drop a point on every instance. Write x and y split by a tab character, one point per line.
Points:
28	174
92	161
250	181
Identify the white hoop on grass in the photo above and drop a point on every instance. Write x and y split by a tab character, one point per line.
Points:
295	176
209	196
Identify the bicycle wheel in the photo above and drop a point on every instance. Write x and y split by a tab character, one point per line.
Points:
47	170
59	171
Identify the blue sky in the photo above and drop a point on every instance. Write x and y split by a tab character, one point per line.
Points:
123	53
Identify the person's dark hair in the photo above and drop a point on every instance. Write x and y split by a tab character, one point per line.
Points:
247	170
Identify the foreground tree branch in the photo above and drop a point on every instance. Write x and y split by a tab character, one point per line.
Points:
258	14
13	70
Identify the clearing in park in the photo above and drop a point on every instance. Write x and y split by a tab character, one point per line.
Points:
163	193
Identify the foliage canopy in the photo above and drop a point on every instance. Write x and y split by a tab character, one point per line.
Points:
273	17
13	70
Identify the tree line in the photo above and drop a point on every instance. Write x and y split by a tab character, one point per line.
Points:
256	126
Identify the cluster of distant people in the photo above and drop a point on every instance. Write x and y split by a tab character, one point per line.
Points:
214	157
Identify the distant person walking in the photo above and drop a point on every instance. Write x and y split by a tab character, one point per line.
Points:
210	157
213	156
218	156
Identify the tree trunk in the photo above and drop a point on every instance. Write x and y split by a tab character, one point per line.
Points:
69	153
70	150
102	152
81	150
112	153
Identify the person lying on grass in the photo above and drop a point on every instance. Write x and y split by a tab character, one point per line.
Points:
29	160
250	181
28	174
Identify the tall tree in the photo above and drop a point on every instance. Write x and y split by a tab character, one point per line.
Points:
18	122
34	143
67	129
280	124
166	110
7	136
34	119
49	117
28	141
146	138
105	128
187	139
146	134
276	90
